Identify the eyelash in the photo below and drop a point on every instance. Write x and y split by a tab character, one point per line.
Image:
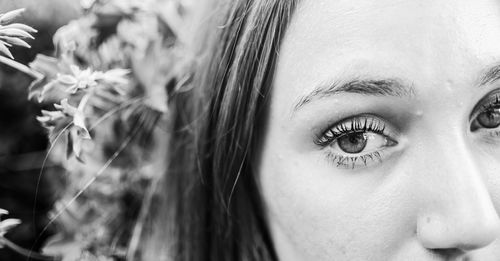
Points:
352	125
350	161
488	104
491	105
357	124
335	136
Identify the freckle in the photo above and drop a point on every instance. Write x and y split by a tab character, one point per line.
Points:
428	220
449	85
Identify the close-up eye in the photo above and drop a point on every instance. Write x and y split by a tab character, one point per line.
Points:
485	119
358	141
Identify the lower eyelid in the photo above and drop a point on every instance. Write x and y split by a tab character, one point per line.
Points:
357	161
365	160
489	136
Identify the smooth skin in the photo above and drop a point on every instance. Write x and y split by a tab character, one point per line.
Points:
433	193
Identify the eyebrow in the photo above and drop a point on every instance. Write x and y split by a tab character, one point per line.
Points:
491	75
382	87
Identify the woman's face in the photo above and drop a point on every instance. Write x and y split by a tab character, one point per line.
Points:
383	141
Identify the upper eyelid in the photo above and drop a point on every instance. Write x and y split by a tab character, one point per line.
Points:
352	118
484	103
380	128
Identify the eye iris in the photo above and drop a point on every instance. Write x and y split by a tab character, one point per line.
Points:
489	119
353	142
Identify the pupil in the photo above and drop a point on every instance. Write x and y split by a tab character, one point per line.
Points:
489	119
353	142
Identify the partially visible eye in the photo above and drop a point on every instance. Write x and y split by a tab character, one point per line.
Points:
486	116
489	119
357	141
353	142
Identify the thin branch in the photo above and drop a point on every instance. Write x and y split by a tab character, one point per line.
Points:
124	144
20	250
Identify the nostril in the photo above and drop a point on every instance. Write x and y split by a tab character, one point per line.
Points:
449	254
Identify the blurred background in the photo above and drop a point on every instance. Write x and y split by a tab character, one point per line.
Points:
23	142
105	70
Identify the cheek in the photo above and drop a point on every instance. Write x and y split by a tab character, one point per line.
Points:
320	213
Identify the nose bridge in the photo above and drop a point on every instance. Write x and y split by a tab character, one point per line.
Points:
458	176
458	212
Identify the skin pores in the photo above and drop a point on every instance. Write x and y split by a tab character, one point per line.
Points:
383	141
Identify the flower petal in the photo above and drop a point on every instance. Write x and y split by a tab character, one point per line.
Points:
23	27
66	79
15	33
79	121
9	16
49	117
8	224
15	41
4	50
66	108
75	70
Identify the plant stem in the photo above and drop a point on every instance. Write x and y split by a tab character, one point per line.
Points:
25	252
20	67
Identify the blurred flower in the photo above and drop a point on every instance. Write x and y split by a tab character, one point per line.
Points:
69	84
48	118
139	33
77	37
84	79
70	118
13	34
113	53
121	7
114	76
87	4
122	108
77	114
7	224
78	79
47	88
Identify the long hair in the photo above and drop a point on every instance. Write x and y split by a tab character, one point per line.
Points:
212	209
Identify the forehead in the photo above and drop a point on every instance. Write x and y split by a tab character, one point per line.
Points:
426	42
